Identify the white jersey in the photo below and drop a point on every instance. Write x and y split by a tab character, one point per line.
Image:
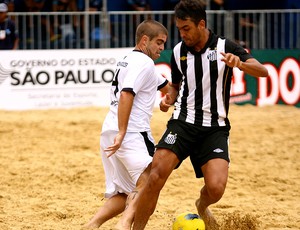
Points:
135	73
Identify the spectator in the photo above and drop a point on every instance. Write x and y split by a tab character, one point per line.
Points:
246	23
95	5
139	5
94	19
36	23
34	5
117	23
135	19
10	4
217	4
98	33
65	25
9	39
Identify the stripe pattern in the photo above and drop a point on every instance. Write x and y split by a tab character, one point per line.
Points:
204	81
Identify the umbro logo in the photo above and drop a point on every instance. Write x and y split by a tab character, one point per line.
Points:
218	150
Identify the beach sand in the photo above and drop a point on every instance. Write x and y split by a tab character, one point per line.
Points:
51	175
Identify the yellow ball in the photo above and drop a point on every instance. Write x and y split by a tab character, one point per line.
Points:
188	221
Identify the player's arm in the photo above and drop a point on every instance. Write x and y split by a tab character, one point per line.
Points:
124	110
170	96
251	66
173	87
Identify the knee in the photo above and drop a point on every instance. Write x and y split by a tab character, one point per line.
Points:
215	191
156	180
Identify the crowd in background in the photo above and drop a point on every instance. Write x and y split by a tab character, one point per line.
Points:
123	5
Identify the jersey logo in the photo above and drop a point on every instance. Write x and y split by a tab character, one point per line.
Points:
218	150
212	55
122	63
183	58
170	138
114	103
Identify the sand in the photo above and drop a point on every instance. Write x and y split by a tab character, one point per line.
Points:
52	176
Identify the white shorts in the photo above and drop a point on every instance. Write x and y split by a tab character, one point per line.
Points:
123	169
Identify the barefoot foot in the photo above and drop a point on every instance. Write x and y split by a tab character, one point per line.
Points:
208	218
89	226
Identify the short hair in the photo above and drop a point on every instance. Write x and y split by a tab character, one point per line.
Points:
193	9
150	28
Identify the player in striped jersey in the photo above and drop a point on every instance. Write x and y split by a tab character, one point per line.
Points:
201	68
126	142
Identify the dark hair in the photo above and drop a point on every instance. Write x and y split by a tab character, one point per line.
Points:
192	9
150	28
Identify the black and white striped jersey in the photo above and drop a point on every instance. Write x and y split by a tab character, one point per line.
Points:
204	80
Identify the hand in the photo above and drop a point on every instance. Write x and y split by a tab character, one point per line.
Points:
165	103
117	143
231	60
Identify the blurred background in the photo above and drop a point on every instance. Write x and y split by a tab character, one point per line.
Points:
84	24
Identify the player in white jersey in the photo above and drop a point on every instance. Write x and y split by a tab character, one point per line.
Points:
126	142
201	68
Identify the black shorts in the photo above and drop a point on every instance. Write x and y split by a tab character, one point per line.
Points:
201	144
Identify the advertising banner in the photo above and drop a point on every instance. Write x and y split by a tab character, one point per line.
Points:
43	79
53	79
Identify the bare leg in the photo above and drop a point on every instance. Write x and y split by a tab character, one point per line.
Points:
204	212
164	161
215	176
126	221
111	208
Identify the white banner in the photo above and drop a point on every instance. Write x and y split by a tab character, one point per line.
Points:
45	79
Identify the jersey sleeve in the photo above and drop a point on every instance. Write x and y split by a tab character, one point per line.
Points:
137	76
162	82
236	49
